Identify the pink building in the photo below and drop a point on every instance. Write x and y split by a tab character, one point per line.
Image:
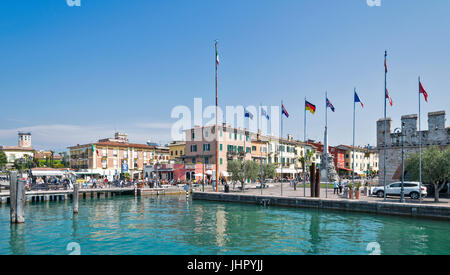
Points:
201	146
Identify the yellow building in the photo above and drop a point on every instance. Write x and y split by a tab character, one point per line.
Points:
177	150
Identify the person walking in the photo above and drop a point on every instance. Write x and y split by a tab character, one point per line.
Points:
340	186
336	188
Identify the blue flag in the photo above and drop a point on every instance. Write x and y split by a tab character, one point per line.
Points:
330	105
248	114
264	113
358	100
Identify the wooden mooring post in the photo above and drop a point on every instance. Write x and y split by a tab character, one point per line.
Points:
17	199
76	188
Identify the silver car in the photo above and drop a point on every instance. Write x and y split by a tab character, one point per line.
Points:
411	189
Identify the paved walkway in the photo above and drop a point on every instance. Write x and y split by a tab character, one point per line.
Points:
288	191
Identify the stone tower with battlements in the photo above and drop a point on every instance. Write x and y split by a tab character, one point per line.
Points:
437	134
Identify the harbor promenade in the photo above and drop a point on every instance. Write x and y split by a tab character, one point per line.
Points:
272	197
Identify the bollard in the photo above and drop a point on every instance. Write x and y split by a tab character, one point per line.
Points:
312	180
12	197
317	194
21	199
76	187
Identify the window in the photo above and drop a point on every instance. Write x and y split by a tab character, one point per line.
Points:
104	164
125	154
104	152
115	152
248	150
221	132
206	147
221	161
115	163
193	148
221	147
253	148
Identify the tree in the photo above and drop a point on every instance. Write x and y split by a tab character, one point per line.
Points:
269	171
435	168
64	159
252	170
235	168
3	159
307	158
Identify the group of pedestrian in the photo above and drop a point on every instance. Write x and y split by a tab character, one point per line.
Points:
338	187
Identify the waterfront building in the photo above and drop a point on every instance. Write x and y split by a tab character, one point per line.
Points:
178	171
176	150
437	134
23	150
233	144
112	157
366	160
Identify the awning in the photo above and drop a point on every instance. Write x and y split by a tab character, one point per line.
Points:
48	173
225	174
288	171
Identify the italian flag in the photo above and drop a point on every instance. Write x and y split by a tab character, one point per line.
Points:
217	57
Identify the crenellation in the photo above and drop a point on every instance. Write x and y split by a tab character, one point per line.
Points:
437	134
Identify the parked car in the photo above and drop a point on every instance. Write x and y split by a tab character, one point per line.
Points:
411	189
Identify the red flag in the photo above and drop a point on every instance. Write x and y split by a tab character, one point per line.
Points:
385	65
422	91
388	97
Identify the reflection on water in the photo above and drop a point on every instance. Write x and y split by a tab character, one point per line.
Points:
172	225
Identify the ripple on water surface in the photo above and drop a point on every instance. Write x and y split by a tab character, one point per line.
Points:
171	225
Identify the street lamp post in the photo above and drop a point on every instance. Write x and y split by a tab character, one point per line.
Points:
402	190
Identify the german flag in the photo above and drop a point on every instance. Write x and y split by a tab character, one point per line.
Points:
310	107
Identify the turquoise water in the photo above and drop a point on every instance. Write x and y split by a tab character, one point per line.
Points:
170	225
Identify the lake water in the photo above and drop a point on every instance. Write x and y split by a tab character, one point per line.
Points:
172	225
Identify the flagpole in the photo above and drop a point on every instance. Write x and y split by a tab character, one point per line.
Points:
420	152
260	147
353	157
217	129
325	147
281	152
385	133
304	152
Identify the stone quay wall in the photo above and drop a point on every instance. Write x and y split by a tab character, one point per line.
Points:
387	208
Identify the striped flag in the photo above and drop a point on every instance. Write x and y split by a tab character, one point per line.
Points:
388	97
284	111
310	107
385	66
217	56
358	100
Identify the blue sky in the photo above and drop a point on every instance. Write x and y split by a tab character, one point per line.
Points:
75	74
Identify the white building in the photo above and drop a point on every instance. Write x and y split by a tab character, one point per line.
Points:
23	150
